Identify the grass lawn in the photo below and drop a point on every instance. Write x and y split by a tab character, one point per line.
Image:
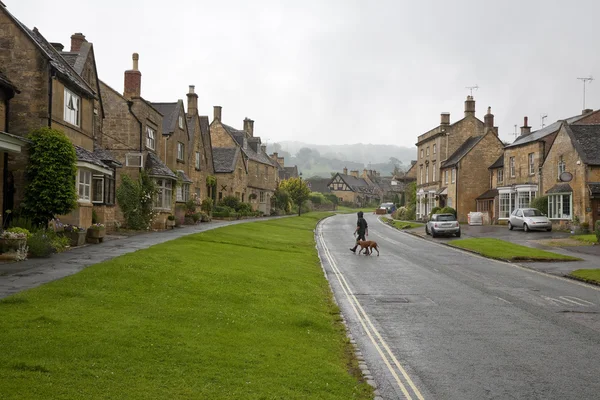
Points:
502	250
401	224
590	238
240	312
590	275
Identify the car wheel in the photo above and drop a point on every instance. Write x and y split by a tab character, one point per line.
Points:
526	228
549	229
426	230
433	234
510	227
458	234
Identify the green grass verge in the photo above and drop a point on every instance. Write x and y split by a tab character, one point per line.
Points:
401	224
502	250
588	275
240	312
590	238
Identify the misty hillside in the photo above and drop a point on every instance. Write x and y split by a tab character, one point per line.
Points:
322	160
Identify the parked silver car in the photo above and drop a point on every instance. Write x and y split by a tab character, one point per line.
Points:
442	224
529	219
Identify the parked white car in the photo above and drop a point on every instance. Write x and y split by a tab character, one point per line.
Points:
442	224
529	219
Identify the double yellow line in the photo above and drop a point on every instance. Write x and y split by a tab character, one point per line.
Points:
406	385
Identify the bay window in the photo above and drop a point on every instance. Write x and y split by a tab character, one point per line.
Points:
183	192
560	206
507	204
84	183
164	194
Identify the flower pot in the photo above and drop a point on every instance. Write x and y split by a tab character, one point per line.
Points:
76	238
11	244
96	235
170	223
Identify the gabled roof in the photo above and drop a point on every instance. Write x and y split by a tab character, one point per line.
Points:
255	155
542	133
462	151
355	184
560	188
171	112
319	185
156	168
488	194
225	158
586	139
184	178
89	157
499	163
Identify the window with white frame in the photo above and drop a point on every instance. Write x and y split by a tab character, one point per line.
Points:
507	204
433	171
431	201
164	193
561	166
511	166
427	174
198	160
524	198
72	113
500	176
531	159
150	138
84	184
434	149
560	206
98	189
446	177
134	160
453	175
180	151
109	189
180	122
183	192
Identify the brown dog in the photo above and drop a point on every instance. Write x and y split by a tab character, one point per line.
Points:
368	246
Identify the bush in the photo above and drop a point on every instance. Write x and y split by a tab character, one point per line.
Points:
40	244
400	213
230	201
411	213
435	210
598	230
207	205
541	203
19	230
204	217
244	209
196	217
135	197
447	210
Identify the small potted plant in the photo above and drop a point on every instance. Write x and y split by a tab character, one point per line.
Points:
13	239
96	233
76	234
171	221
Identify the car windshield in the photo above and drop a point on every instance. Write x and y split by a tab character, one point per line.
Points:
532	213
445	217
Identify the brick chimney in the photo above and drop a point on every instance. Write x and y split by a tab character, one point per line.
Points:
217	113
133	80
489	119
192	101
58	46
249	126
445	119
76	40
364	174
354	173
525	130
469	106
586	111
345	171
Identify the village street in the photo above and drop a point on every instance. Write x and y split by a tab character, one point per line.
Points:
433	322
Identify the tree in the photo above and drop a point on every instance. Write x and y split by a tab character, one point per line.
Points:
51	174
298	191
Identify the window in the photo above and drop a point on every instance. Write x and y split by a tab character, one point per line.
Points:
500	176
198	160
220	196
453	175
98	189
561	166
180	122
262	197
421	173
507	203
427	152
434	148
427	174
446	176
421	153
266	173
150	138
84	183
183	192
524	198
559	206
530	157
134	160
180	151
433	171
511	165
109	189
72	108
164	194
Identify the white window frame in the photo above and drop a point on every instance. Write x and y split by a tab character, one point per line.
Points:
506	201
433	166
72	108
198	160
134	160
183	192
500	176
164	194
446	177
96	193
180	151
511	166
180	122
453	177
531	159
84	185
261	197
150	138
557	203
427	173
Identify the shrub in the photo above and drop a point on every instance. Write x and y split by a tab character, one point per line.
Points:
447	210
230	201
196	217
207	205
94	216
244	209
190	207
585	227
400	213
598	230
41	244
204	217
411	213
19	230
541	203
136	201
435	210
171	217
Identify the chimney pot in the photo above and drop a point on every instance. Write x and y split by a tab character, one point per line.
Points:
217	113
192	88
192	101
345	171
488	120
469	106
76	40
445	119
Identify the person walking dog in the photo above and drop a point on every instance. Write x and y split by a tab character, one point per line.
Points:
362	229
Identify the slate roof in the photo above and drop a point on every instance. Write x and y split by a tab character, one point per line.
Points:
319	185
255	155
587	142
225	158
462	151
6	83
77	59
206	141
170	112
106	156
291	172
89	157
594	188
356	184
157	168
560	188
183	176
488	194
499	163
542	133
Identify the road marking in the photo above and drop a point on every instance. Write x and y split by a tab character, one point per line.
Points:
578	301
554	301
369	328
504	300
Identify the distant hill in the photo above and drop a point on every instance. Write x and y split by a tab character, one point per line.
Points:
322	160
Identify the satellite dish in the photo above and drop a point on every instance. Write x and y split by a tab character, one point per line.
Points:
566	177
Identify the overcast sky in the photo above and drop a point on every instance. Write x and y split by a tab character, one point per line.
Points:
343	71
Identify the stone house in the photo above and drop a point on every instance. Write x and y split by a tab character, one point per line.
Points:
352	188
571	174
283	172
10	145
262	175
230	168
436	146
462	174
53	94
133	132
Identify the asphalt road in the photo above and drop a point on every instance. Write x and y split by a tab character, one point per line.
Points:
437	323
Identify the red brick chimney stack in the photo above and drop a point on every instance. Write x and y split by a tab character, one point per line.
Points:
192	101
133	80
76	40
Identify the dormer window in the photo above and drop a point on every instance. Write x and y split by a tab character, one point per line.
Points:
180	151
72	108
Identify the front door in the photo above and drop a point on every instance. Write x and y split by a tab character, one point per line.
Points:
595	213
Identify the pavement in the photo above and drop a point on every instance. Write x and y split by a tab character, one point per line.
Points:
590	255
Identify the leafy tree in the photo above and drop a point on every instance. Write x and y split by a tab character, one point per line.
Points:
136	201
51	174
281	199
298	191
